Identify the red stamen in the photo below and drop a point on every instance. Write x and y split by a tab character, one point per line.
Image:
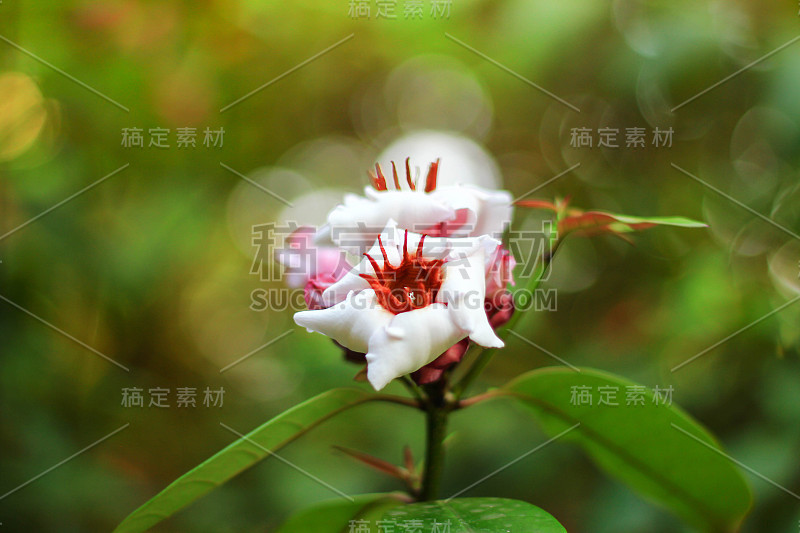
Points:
375	266
381	178
408	176
383	251
412	284
396	177
430	180
423	294
398	305
373	179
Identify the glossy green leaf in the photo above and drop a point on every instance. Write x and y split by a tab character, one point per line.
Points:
474	515
336	516
242	454
654	447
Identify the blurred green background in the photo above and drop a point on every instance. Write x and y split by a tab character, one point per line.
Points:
151	267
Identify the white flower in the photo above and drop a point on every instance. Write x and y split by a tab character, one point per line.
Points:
453	210
411	298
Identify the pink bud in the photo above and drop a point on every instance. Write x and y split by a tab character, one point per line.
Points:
499	308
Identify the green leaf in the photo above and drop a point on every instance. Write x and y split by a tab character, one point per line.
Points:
473	515
335	516
242	454
653	447
594	222
599	221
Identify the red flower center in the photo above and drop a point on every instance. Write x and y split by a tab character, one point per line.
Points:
410	285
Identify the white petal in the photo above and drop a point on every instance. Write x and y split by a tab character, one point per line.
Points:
489	210
464	290
495	214
351	323
367	216
409	342
461	198
350	282
445	247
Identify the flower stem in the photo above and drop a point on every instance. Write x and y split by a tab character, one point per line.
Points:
436	412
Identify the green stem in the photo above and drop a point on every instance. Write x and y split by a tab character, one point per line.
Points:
478	398
401	400
437	410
